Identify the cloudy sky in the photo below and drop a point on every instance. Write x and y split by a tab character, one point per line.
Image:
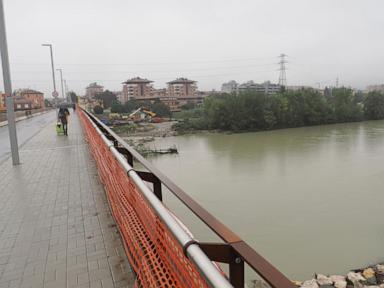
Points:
211	41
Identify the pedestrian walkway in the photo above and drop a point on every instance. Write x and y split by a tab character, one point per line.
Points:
56	229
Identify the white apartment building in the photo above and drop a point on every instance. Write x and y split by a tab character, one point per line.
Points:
229	87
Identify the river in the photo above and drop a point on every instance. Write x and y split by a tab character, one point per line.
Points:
308	199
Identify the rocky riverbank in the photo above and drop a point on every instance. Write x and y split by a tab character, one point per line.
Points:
372	276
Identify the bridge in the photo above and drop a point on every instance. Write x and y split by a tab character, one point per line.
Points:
87	210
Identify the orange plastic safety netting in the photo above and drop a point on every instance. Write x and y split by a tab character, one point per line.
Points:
155	255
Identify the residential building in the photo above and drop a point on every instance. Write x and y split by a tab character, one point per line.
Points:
378	88
184	90
92	90
137	88
35	98
266	88
22	104
178	92
2	102
159	93
119	96
24	99
171	102
229	87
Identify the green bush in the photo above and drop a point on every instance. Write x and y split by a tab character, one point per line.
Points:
191	124
252	111
98	109
374	106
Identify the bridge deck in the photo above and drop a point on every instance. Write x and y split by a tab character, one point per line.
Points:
56	228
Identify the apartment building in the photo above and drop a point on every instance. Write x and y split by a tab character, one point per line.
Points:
2	102
265	88
184	90
24	99
35	98
92	90
229	87
378	88
137	88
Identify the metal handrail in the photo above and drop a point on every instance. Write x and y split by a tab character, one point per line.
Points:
257	262
189	245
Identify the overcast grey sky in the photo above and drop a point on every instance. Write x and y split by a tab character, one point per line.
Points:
211	41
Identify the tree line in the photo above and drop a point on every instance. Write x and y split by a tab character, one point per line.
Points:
251	111
109	100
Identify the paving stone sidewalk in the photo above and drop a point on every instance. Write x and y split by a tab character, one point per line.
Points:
56	229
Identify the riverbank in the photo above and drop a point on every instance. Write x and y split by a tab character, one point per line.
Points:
163	129
372	276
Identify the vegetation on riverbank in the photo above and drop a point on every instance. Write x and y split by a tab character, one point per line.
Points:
252	111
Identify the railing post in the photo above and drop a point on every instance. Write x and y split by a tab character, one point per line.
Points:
127	155
150	177
236	272
224	253
129	159
157	188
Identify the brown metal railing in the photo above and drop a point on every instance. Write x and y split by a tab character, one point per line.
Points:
233	251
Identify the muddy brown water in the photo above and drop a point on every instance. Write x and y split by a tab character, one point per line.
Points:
308	199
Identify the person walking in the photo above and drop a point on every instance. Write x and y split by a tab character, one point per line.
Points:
63	118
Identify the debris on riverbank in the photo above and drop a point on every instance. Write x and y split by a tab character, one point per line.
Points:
171	150
139	144
372	276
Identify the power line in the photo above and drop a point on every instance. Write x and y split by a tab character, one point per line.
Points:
154	71
154	79
144	63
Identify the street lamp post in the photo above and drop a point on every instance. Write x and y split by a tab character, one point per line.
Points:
61	79
66	90
54	94
8	89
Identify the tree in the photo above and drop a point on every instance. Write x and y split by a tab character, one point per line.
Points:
346	109
116	107
107	97
255	111
188	106
130	106
98	109
47	103
160	109
374	106
73	97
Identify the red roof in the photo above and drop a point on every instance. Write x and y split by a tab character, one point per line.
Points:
137	80
181	81
30	91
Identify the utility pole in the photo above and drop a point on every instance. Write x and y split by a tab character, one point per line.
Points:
283	76
54	93
61	78
8	89
337	82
